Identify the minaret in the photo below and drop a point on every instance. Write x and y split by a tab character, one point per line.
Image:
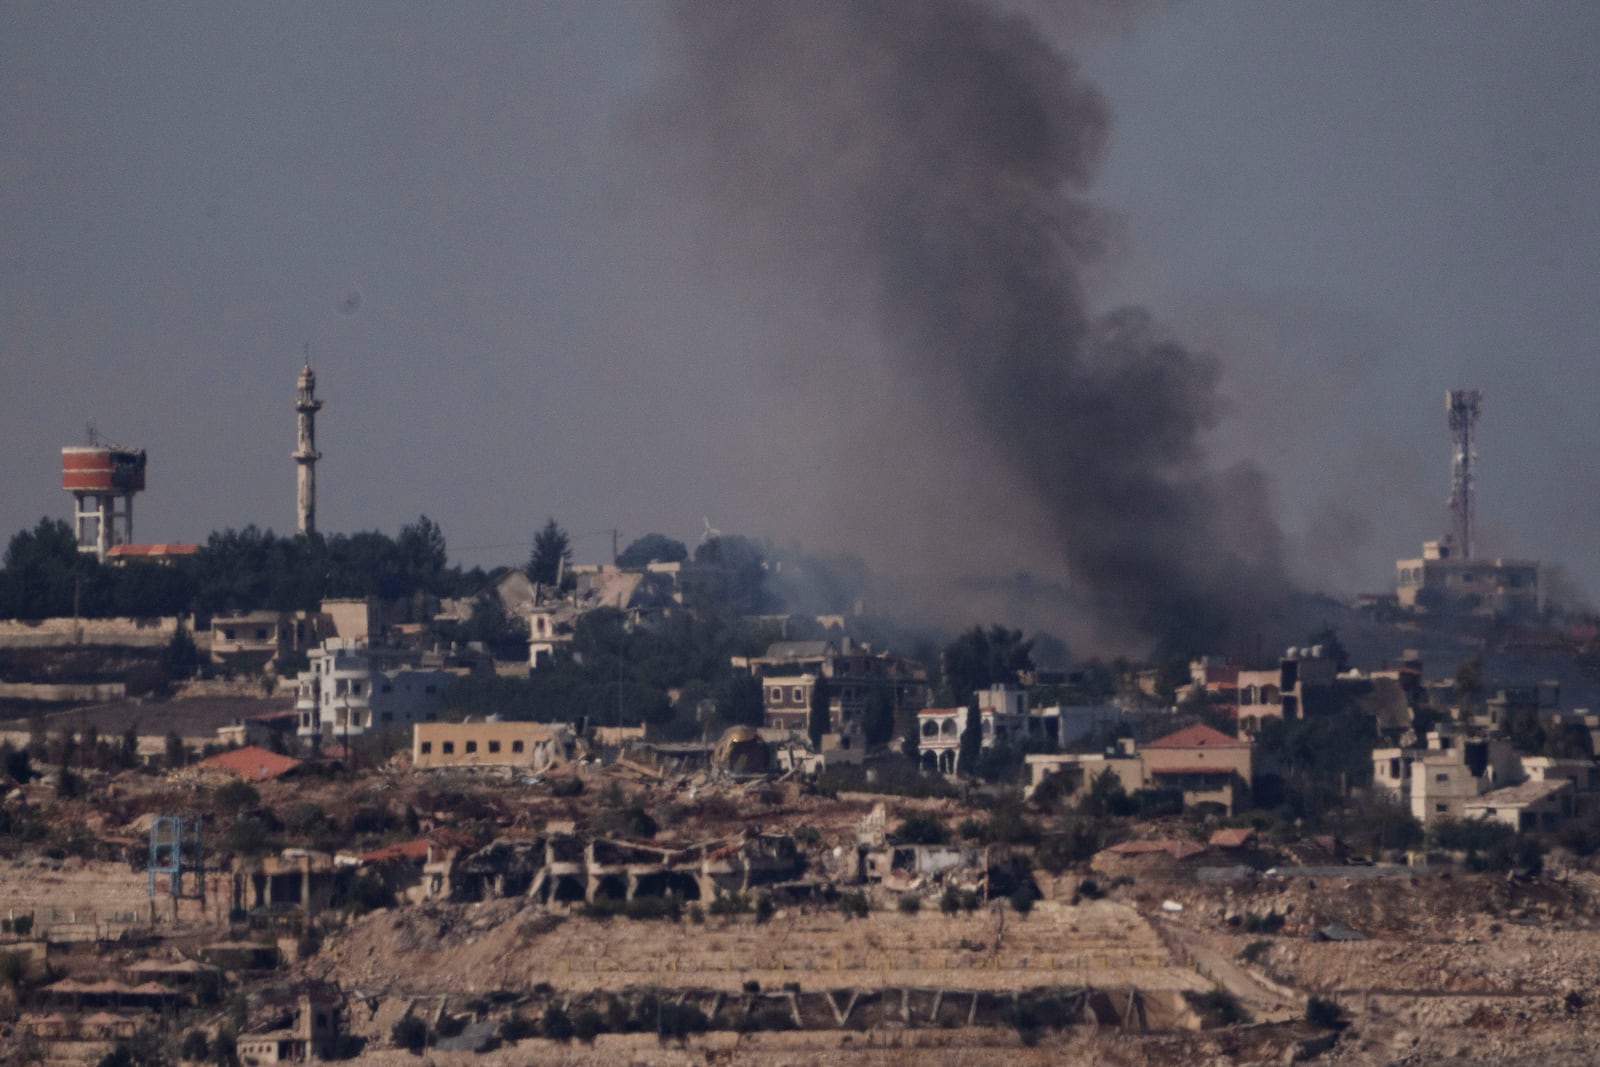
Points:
306	456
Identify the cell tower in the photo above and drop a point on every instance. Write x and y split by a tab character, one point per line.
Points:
307	405
100	476
1463	405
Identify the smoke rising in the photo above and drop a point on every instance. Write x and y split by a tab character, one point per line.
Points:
921	165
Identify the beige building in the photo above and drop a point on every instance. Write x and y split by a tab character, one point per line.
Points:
1205	765
314	1036
1530	805
529	745
1443	581
1440	779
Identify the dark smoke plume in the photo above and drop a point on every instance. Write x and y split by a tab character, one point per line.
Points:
922	163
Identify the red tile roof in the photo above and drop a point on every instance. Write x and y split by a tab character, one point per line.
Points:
166	549
253	763
1198	736
288	715
1176	849
415	851
1233	837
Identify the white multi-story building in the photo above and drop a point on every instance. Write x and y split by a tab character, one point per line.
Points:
1003	719
347	694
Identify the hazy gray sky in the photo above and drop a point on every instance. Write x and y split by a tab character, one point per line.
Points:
1353	205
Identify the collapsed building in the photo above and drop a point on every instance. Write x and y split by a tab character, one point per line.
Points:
568	869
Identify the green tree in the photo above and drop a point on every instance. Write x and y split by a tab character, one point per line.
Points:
1469	680
739	702
970	744
43	572
177	756
181	658
730	577
980	658
552	555
877	718
422	552
818	720
128	755
17	765
653	548
236	796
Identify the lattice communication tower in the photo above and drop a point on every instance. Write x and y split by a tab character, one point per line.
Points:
1463	406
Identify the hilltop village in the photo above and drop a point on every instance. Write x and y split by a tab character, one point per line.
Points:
328	797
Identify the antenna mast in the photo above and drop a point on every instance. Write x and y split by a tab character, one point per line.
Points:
1462	406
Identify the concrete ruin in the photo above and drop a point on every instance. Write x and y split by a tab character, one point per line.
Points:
568	869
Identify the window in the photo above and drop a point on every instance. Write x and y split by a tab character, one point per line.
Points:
494	746
261	633
516	746
449	748
355	688
1441	808
1442	777
798	695
472	746
427	747
775	695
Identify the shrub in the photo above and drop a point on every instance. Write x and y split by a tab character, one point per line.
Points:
697	914
1039	1012
729	903
665	907
636	822
1269	923
235	796
587	1025
950	900
1022	899
1253	952
194	1047
410	1033
679	1021
971	828
566	787
771	1018
516	1028
854	905
909	905
764	907
13	968
920	830
1216	1007
1325	1013
555	1025
807	835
